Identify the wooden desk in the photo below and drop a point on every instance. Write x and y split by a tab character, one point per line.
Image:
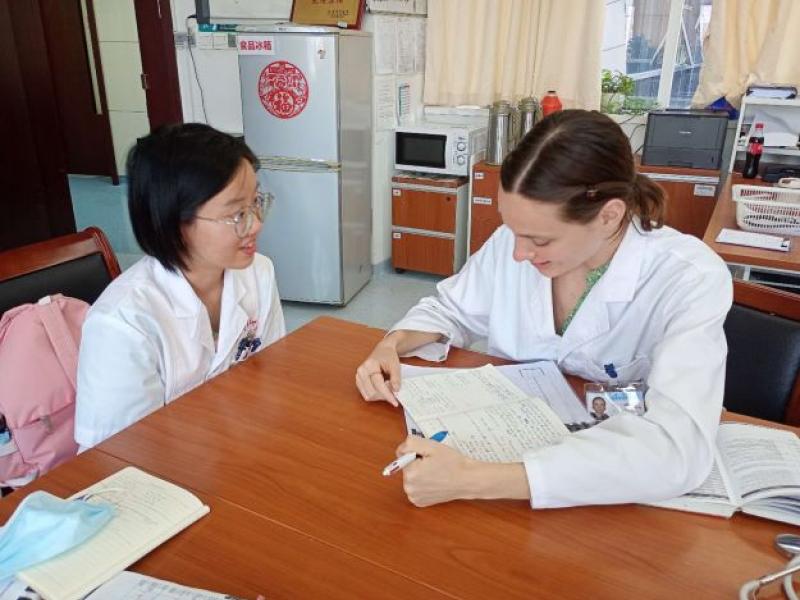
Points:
724	216
289	458
236	551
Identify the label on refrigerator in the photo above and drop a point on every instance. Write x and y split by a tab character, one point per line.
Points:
256	44
283	89
482	200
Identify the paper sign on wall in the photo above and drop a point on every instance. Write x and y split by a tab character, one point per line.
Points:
481	200
256	44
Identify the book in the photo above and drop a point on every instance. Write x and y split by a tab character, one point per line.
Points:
486	416
149	511
756	471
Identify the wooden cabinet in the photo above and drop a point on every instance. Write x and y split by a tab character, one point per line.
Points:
484	214
419	252
419	209
429	223
691	196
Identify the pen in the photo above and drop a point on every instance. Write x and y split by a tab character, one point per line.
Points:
405	460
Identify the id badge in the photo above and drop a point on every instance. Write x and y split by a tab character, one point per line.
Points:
604	400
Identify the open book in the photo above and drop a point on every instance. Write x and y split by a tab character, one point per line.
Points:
486	416
756	471
149	511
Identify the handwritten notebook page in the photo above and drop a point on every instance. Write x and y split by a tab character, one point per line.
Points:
149	511
487	417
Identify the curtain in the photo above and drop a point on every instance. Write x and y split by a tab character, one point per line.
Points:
749	42
480	51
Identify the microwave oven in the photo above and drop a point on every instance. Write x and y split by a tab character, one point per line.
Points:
446	148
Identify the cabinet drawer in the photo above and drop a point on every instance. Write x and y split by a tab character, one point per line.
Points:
418	209
422	253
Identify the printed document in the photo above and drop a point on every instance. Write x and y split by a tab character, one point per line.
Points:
133	586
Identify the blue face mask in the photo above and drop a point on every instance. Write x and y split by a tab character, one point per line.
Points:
44	526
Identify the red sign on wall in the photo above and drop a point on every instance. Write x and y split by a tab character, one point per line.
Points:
283	89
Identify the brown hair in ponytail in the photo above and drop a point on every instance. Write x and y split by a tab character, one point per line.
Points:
581	159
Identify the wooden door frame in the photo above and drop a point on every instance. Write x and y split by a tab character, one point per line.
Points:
94	46
94	151
159	63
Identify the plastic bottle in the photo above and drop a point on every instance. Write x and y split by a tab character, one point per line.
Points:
755	147
550	103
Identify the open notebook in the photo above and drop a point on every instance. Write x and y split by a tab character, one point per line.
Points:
149	511
486	416
756	471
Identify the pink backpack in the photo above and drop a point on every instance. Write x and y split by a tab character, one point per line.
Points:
38	366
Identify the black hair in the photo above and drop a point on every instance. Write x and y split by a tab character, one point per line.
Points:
580	159
171	173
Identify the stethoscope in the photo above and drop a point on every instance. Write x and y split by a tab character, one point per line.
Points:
789	545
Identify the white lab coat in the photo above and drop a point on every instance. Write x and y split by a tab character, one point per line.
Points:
657	313
147	340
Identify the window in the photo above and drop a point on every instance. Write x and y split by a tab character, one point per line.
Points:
659	43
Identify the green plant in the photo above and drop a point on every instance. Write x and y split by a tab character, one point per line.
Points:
616	82
636	105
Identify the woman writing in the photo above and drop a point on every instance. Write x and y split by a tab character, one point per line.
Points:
583	273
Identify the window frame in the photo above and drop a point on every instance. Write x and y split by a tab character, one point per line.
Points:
672	39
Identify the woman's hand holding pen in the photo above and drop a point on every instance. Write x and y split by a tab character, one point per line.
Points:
370	376
442	474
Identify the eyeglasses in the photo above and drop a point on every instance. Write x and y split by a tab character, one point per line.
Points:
242	221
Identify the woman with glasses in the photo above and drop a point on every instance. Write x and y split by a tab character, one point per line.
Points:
200	300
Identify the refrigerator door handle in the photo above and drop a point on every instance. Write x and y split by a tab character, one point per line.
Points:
286	163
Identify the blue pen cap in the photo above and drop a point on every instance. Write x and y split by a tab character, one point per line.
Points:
611	371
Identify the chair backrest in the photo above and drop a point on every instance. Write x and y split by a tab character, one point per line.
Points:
763	332
79	265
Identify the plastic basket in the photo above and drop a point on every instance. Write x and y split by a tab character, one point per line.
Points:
767	209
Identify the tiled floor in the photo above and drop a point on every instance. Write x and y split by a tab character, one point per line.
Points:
382	302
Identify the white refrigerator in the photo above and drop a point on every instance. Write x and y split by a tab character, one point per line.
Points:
307	111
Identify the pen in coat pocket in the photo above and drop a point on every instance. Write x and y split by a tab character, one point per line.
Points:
405	460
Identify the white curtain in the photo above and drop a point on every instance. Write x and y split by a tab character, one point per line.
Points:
479	51
748	42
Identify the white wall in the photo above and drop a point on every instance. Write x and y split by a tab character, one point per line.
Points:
216	68
122	68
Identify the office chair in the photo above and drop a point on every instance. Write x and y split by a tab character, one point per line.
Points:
763	332
79	265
